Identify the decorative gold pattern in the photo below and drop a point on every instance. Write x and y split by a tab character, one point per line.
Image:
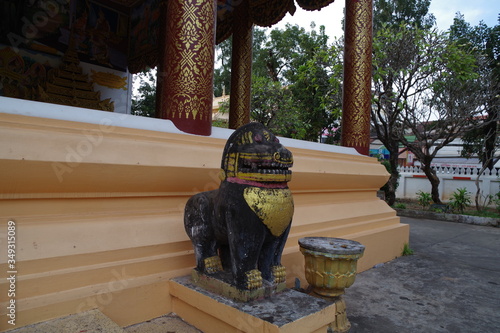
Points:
241	68
254	279
279	273
109	80
67	85
189	64
341	323
231	168
357	75
274	207
230	162
330	274
212	264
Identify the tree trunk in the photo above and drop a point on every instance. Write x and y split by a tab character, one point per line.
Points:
434	180
390	194
392	183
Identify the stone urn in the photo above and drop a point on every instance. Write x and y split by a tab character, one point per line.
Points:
330	268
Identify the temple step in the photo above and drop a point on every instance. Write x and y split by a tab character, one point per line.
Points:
288	311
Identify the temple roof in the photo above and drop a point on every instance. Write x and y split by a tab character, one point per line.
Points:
264	13
120	34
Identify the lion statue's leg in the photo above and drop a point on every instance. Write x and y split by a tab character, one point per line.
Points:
270	259
245	240
198	222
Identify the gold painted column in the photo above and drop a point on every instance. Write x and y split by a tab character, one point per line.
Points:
357	75
241	67
187	65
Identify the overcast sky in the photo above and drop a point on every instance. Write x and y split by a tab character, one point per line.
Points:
444	11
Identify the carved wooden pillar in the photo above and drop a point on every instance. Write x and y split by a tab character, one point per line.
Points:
187	65
357	75
161	109
241	67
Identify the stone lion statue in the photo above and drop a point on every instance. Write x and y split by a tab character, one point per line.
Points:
242	227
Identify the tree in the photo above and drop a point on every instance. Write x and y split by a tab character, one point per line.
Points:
395	74
484	139
296	87
316	88
395	12
271	104
424	85
144	104
397	26
444	103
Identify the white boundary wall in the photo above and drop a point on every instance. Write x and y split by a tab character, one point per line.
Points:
413	180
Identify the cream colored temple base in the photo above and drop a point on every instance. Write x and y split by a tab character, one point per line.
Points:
287	312
98	208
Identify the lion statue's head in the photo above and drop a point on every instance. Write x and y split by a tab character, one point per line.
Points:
254	155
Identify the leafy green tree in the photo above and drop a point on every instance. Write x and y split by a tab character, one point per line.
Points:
394	69
222	71
427	86
443	102
144	103
271	104
296	87
316	88
397	26
395	12
484	42
483	140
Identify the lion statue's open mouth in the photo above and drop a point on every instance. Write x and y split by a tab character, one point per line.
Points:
256	155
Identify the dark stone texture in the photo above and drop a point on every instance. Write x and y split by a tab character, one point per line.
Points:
246	221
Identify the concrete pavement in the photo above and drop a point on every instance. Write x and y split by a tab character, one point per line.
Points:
450	284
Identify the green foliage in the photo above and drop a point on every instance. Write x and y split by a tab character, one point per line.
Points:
407	251
460	200
144	103
395	12
426	86
424	199
400	205
271	105
296	81
496	201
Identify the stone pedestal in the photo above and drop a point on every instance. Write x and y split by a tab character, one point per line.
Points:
288	311
330	267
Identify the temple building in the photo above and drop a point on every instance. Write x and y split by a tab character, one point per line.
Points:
95	196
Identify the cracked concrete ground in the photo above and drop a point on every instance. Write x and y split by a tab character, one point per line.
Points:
450	284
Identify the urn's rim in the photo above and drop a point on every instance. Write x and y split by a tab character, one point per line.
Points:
331	245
